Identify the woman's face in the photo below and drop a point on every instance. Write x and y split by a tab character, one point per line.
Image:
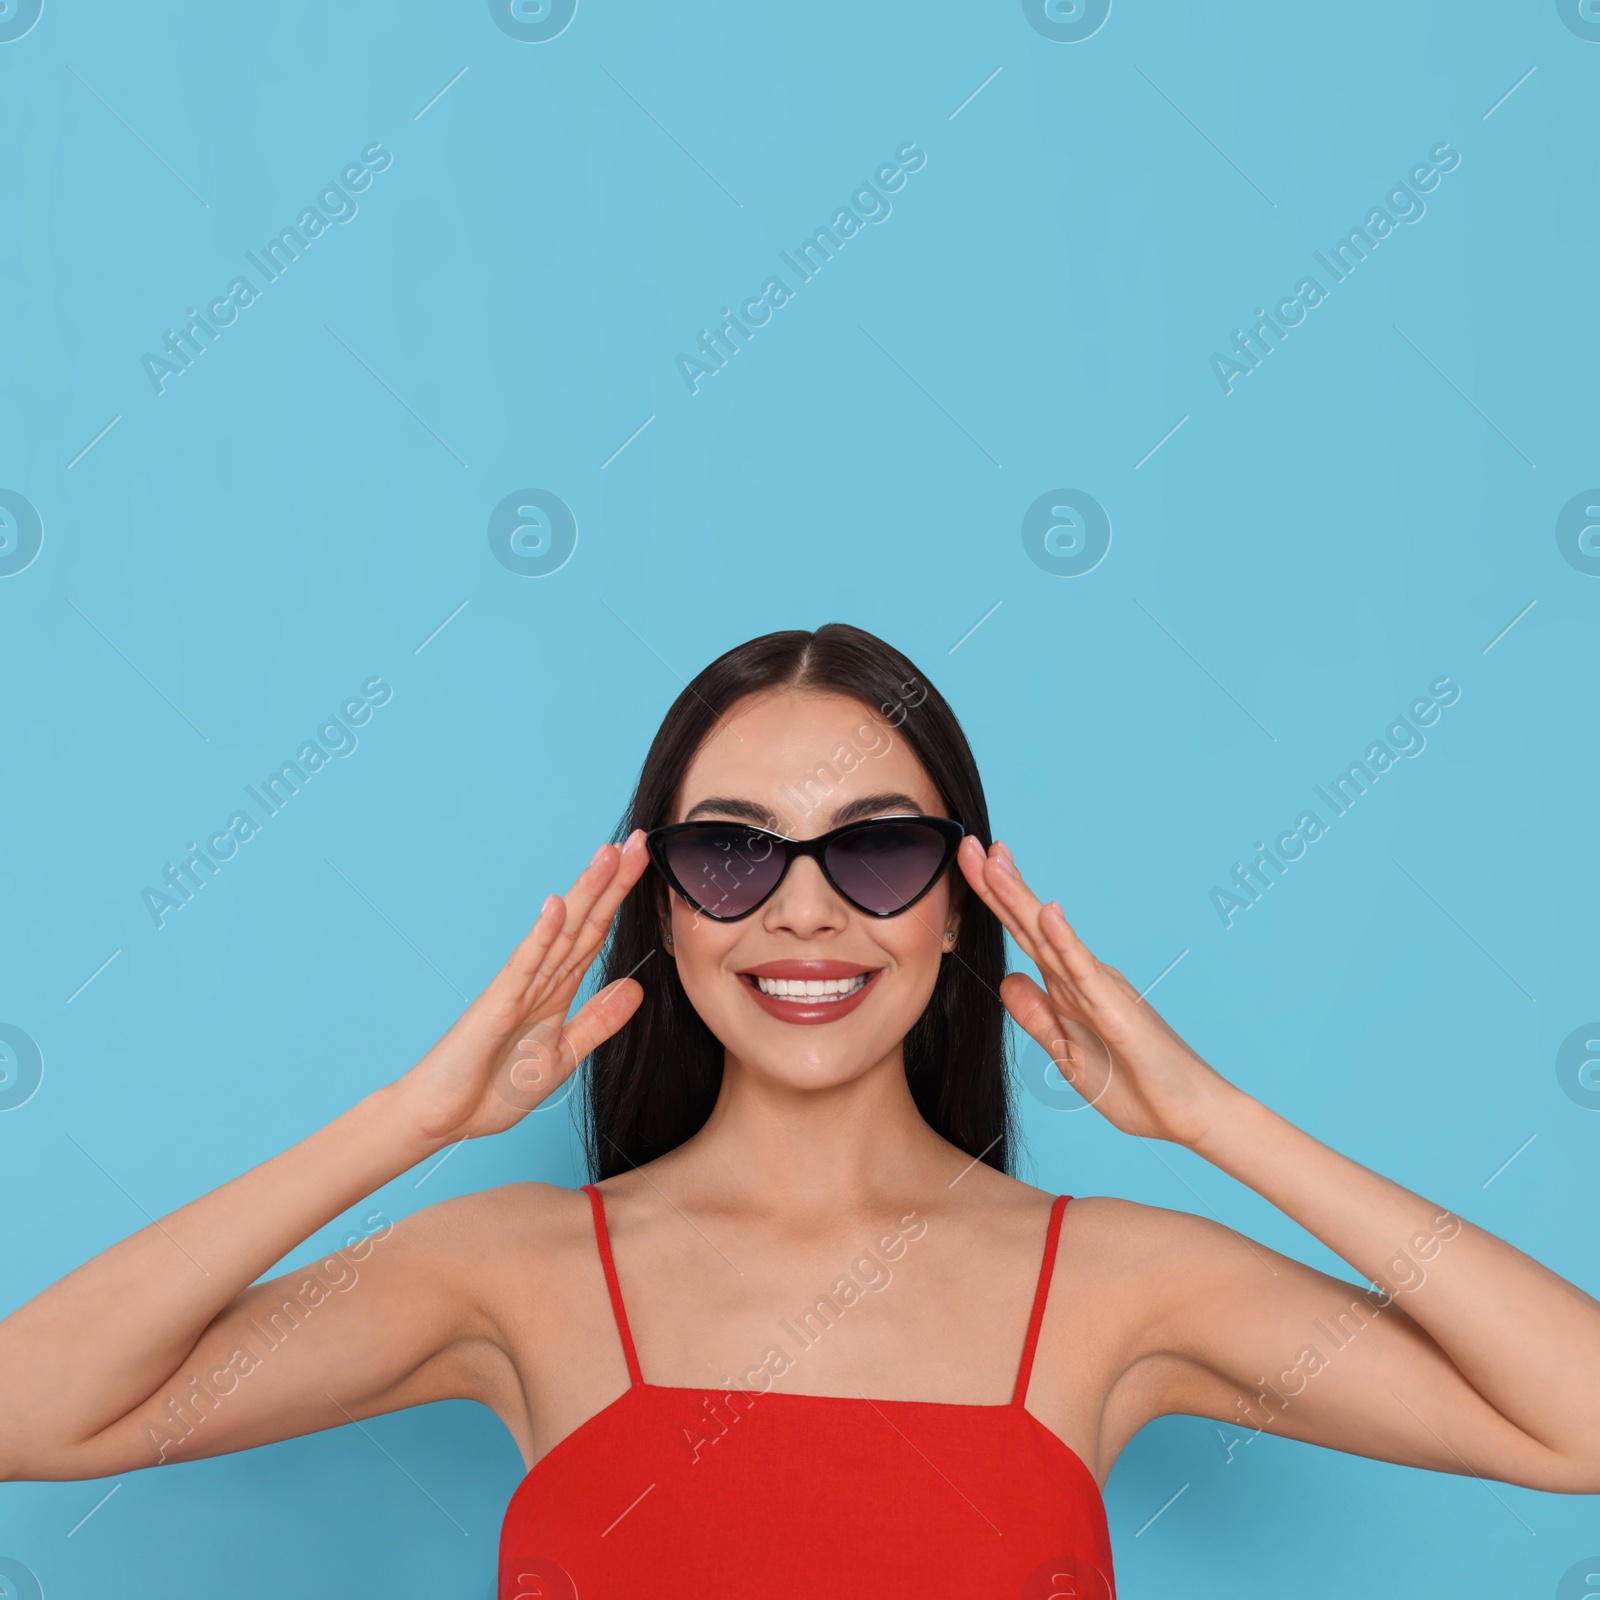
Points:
801	763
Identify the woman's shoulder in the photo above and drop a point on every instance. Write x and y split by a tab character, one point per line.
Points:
1135	1229
535	1205
511	1225
1127	1234
527	1203
1148	1263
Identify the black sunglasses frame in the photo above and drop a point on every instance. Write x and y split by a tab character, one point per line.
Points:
657	841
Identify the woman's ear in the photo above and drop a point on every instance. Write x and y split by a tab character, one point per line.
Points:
960	891
664	921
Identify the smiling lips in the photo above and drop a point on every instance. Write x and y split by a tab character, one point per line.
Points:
808	992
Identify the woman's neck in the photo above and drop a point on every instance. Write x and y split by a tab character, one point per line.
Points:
798	1151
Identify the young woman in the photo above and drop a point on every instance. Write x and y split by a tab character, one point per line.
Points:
805	1335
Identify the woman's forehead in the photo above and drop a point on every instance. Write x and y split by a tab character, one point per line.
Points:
800	751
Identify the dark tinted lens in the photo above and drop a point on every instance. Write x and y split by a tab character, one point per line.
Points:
886	866
724	868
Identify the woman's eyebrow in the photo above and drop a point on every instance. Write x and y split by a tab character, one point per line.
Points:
722	806
870	805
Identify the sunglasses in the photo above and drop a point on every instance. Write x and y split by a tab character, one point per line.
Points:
882	866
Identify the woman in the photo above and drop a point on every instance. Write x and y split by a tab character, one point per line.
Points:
805	1335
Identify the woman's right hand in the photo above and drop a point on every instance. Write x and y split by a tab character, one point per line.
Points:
514	1045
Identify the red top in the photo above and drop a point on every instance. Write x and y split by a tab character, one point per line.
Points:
671	1492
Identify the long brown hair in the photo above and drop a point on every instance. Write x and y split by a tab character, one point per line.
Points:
653	1085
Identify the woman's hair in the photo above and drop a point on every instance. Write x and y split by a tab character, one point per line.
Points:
652	1085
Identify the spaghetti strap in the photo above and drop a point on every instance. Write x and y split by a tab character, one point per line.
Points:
603	1239
1040	1295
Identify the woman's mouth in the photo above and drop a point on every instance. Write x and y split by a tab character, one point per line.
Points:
810	988
808	992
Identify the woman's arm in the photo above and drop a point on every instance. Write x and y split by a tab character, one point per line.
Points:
1482	1358
94	1362
110	1368
1472	1357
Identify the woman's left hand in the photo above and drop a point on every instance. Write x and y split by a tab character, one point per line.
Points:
1110	1045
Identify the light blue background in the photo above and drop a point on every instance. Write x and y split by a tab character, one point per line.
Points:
292	516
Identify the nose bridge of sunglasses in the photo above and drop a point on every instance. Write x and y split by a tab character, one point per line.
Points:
801	872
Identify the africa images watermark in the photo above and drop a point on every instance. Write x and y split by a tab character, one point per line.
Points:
1401	1275
1401	204
316	1287
335	202
867	204
1400	739
335	737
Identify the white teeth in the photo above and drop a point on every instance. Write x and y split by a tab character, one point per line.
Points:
811	988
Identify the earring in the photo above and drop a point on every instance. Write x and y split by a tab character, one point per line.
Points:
669	941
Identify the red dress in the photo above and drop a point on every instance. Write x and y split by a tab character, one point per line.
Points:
813	1496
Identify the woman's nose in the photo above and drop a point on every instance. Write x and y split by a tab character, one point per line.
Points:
805	903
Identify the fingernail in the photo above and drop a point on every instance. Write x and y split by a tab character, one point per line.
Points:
1002	859
551	901
594	860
